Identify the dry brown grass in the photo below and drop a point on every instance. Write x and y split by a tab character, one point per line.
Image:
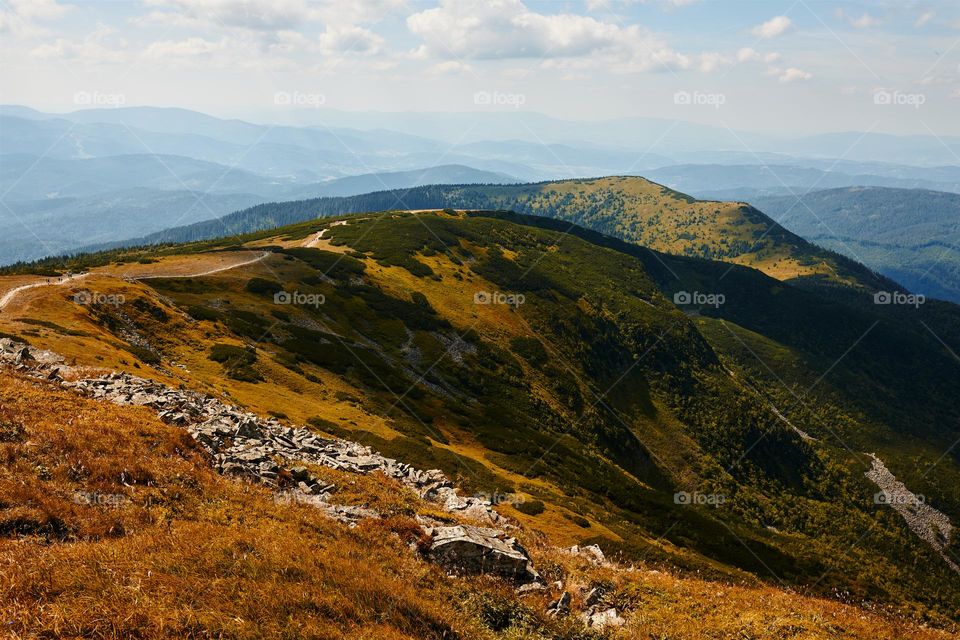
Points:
185	553
660	605
188	554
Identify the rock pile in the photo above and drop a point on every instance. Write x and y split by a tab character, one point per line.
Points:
263	450
480	550
932	526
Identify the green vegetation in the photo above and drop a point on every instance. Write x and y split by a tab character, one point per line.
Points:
601	398
909	235
237	361
530	507
629	208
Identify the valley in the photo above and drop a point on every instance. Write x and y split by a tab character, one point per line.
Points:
599	400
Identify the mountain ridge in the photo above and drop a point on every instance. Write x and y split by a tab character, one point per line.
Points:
629	398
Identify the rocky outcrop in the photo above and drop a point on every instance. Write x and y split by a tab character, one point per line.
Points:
602	619
265	451
476	550
930	525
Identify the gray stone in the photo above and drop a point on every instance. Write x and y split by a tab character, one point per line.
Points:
561	606
608	618
477	550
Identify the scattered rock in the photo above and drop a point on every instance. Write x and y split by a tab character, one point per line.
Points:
592	552
478	550
561	606
263	450
603	619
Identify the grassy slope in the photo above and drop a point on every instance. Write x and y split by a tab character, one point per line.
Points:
188	554
676	423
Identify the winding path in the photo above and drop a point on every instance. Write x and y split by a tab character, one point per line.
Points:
262	255
9	296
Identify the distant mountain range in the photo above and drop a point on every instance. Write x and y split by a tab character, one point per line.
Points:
751	181
910	235
104	200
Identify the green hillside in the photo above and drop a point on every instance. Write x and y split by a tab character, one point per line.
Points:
909	235
629	208
497	347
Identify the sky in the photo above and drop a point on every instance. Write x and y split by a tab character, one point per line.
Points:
795	67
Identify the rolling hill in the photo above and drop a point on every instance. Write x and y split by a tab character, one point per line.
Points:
694	416
629	208
909	235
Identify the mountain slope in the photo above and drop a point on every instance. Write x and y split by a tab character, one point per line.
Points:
911	236
284	568
498	348
630	208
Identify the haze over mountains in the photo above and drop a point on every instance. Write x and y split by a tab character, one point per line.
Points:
127	173
480	320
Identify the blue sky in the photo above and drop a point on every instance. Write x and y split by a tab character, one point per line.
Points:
794	67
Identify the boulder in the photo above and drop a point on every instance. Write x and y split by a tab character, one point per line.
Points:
592	552
603	619
478	550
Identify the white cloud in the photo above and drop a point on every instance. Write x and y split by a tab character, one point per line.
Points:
865	21
924	18
448	67
793	74
256	15
38	9
21	18
507	29
712	61
749	54
187	48
92	49
609	5
772	27
351	39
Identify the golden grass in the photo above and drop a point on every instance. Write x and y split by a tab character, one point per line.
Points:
183	553
660	605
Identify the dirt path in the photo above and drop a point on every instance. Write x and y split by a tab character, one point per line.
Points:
316	238
46	282
208	272
10	295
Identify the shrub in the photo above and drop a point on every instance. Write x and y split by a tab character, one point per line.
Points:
531	507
